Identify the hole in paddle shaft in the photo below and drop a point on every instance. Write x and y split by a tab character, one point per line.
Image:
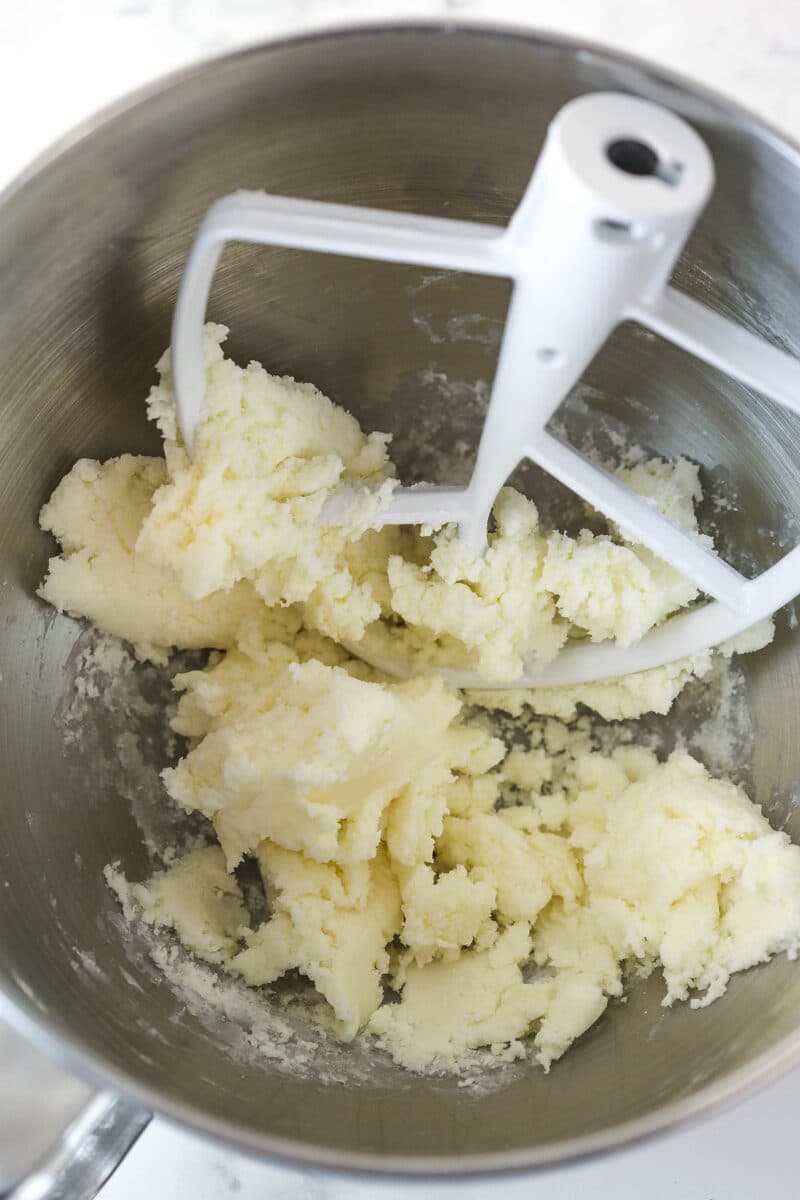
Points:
633	157
638	159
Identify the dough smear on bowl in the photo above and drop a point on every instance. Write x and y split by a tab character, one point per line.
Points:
443	890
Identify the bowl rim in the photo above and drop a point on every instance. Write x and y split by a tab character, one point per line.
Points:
54	1039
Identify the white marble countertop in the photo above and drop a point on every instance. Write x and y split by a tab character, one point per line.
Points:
61	61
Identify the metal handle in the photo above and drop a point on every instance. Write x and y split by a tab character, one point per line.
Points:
87	1154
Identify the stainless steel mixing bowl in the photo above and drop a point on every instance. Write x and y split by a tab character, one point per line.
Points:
92	241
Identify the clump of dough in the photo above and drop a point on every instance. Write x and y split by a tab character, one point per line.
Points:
237	533
449	1008
501	895
196	897
529	590
318	761
267	456
443	913
526	866
602	862
494	603
659	864
682	869
96	512
332	923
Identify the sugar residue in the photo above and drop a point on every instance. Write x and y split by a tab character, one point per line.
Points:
114	719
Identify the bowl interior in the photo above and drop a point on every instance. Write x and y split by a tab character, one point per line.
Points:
91	249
